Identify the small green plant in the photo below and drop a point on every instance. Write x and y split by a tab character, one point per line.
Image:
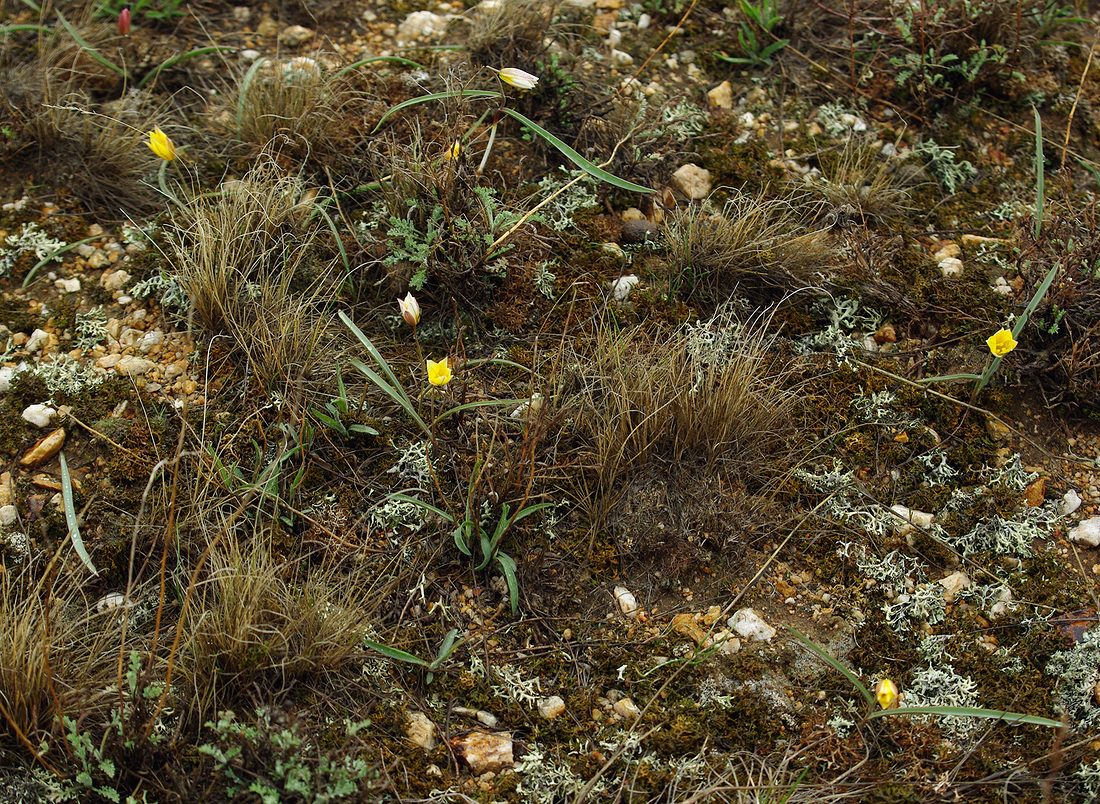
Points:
277	763
471	532
765	17
337	410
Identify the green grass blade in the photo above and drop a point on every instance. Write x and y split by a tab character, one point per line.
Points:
530	509
397	394
181	57
335	235
1036	299
395	653
53	255
435	96
374	59
246	84
1040	183
93	54
70	515
967	711
483	403
588	167
10	29
446	648
427	506
836	665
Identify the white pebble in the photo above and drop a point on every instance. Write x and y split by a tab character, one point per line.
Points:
621	287
551	707
8	515
37	340
39	415
1071	501
628	604
750	625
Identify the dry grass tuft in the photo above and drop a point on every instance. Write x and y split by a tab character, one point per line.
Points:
716	393
96	150
859	186
750	244
510	33
58	656
247	259
260	621
303	111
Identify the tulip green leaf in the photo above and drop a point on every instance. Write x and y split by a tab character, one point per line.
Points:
435	96
375	59
584	164
70	515
969	711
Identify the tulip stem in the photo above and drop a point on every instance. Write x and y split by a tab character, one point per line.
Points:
488	148
162	181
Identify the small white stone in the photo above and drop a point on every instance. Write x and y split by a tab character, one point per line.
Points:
954	585
134	366
614	37
1001	286
693	181
951	267
621	59
71	285
7	373
113	600
8	515
1087	532
628	604
422	25
913	519
750	625
248	54
1071	500
153	337
37	340
115	280
39	415
295	35
644	21
551	707
627	709
485	752
1005	603
621	287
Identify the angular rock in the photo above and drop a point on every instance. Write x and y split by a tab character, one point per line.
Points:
951	267
692	180
913	519
133	366
8	515
721	97
954	585
750	625
485	751
1087	532
552	707
420	730
44	449
621	287
423	25
1071	501
627	709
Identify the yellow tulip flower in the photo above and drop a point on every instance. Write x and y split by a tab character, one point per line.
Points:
1001	343
886	692
439	373
454	150
161	145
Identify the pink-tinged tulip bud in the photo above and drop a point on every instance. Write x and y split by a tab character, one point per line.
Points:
124	21
410	309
